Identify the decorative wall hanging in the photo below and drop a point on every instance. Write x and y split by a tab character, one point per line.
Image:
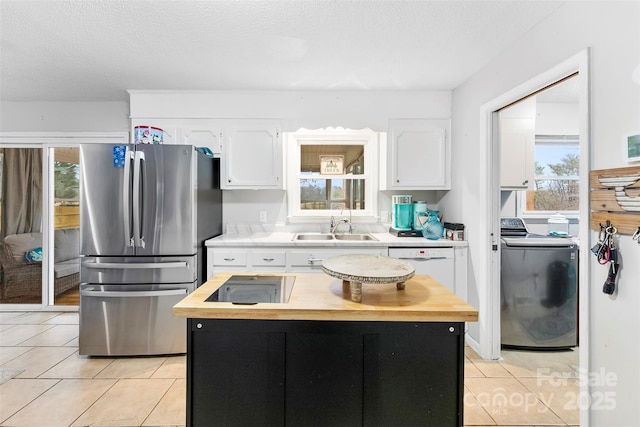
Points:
632	147
615	196
331	165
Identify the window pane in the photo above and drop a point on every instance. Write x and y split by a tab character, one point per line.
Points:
352	156
554	195
557	160
21	234
327	194
66	215
313	193
556	174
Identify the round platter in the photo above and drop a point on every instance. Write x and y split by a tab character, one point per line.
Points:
358	269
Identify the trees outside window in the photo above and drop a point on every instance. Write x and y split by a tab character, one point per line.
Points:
556	185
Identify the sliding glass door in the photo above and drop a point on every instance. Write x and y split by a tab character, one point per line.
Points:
40	219
27	245
64	168
21	210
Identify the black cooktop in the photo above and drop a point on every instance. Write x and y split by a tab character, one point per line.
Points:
253	289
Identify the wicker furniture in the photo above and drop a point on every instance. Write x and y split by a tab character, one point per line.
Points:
23	280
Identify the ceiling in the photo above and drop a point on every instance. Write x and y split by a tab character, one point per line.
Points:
94	50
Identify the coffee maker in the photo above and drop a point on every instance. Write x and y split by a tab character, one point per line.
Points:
402	212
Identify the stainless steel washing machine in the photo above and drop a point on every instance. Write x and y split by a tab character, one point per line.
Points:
538	289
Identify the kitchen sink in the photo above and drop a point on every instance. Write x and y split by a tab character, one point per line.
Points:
354	237
313	236
327	236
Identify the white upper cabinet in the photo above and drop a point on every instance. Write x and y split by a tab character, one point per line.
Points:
197	132
517	145
418	155
250	149
517	152
252	155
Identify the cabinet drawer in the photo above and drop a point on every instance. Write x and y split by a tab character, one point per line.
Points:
230	258
312	257
307	258
268	259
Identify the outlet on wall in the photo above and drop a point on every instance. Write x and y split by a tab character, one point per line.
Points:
263	216
384	216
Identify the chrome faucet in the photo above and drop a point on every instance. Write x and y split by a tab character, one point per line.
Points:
333	225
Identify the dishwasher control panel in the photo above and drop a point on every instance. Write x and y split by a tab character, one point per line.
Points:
421	253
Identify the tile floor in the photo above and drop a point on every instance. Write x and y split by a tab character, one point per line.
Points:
44	382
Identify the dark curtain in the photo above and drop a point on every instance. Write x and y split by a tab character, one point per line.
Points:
22	191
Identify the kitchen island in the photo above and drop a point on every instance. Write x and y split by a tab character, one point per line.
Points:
395	358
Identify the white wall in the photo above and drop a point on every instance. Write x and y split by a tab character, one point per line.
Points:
611	31
557	119
297	109
64	117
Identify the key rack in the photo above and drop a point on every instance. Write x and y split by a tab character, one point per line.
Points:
615	196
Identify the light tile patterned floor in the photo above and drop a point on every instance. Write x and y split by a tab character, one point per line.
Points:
44	382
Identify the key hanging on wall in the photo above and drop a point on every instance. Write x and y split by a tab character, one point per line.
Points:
609	255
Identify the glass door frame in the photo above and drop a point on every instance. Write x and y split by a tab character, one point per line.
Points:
48	142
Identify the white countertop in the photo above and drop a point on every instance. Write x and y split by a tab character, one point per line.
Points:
254	236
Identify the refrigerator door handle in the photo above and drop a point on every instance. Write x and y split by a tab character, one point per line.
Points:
138	195
126	211
120	294
122	266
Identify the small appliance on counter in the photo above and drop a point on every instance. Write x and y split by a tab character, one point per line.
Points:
405	233
402	212
419	214
453	231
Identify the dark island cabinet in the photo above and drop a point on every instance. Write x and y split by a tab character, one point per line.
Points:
324	373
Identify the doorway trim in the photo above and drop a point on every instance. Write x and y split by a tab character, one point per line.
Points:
489	343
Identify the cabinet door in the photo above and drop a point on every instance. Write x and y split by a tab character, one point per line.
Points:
517	152
419	154
414	378
252	154
323	379
203	133
197	132
236	377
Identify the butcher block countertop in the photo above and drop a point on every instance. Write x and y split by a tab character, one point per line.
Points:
322	297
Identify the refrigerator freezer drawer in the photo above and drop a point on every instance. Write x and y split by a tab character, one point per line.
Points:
128	270
125	320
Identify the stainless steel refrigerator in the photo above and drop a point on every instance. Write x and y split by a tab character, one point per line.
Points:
145	212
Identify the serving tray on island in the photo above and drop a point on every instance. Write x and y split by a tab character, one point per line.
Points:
359	269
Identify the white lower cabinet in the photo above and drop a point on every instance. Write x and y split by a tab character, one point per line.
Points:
446	264
283	260
309	260
226	260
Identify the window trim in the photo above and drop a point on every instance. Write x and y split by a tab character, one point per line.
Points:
332	136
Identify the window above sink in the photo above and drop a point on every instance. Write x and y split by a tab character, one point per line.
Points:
332	172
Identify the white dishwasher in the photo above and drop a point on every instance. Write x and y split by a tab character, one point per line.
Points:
435	262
